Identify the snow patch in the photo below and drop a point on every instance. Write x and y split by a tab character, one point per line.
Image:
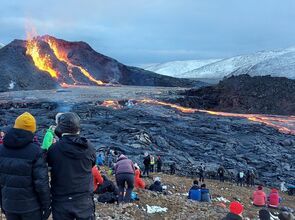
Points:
11	85
155	209
221	199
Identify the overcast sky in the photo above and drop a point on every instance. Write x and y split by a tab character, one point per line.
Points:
150	31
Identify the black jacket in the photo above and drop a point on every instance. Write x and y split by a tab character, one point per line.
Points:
147	160
71	160
23	174
156	187
231	216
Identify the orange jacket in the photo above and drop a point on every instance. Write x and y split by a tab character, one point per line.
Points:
138	182
97	178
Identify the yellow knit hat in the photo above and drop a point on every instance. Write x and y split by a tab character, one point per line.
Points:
26	121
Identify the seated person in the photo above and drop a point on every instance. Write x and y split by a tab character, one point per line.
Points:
259	197
274	199
205	195
195	191
107	186
156	186
138	182
235	211
97	178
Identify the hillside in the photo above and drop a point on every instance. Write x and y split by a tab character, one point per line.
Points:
245	94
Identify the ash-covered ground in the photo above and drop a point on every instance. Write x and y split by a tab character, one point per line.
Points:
185	138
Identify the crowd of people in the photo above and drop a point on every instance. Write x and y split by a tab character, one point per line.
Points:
27	192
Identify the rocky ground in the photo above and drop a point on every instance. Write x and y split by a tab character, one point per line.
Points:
179	207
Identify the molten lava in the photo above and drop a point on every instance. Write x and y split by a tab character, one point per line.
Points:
63	57
41	61
112	104
285	124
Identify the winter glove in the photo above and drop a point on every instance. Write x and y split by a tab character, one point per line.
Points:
46	213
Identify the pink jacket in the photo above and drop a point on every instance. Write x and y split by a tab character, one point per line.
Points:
124	165
274	198
259	198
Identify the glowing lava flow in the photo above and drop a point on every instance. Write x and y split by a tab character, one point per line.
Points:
62	56
285	124
111	104
41	61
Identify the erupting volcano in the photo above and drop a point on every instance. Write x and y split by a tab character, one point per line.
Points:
45	62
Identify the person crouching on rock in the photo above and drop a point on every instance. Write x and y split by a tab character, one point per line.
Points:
195	191
97	178
138	182
71	160
124	170
235	211
24	182
259	197
157	185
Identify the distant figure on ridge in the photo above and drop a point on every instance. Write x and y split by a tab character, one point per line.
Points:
159	164
146	163
220	173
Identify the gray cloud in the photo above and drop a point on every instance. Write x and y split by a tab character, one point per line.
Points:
148	31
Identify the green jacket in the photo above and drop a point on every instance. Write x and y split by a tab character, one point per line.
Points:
48	139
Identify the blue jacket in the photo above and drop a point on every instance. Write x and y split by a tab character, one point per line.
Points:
195	193
100	160
205	195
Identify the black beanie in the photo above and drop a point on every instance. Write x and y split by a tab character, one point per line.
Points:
68	123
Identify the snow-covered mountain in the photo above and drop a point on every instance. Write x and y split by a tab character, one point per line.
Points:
279	63
1	45
177	68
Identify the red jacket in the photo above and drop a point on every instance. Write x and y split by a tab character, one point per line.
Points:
1	140
97	178
259	198
138	182
274	199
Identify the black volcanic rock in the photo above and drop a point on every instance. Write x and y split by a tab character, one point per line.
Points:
245	94
18	68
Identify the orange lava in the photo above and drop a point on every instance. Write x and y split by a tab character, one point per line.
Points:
284	124
111	104
41	61
63	57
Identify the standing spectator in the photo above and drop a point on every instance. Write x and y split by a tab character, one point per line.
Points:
201	172
124	170
146	163
152	165
71	160
110	159
159	164
252	178
240	178
221	172
24	182
2	134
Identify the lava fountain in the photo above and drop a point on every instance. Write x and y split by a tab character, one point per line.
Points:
44	61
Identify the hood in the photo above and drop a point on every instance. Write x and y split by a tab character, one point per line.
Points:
17	138
122	157
76	147
274	191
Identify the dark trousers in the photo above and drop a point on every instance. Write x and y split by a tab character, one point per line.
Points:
36	215
146	170
159	169
221	177
201	177
152	168
81	208
240	182
122	180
